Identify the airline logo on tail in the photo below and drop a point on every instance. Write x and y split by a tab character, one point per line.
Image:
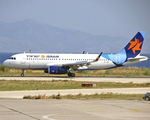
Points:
135	45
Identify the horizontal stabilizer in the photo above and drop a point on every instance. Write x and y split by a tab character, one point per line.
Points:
139	58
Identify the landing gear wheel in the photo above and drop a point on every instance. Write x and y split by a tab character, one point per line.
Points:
22	75
71	74
147	99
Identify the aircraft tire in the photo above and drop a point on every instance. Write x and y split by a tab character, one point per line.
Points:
147	99
71	74
22	75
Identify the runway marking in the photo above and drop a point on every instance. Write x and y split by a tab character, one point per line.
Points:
47	117
67	114
93	107
136	110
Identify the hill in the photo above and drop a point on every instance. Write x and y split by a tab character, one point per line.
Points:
31	35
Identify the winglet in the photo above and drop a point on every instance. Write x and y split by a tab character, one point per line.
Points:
83	52
98	56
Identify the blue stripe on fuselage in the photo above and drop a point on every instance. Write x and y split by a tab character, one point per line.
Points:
118	58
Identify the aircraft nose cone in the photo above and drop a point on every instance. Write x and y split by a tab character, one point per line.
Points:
5	63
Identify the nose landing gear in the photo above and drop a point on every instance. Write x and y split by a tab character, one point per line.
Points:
22	74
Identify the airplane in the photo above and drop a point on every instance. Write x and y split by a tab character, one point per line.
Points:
53	63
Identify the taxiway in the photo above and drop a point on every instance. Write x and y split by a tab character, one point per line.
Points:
19	109
94	79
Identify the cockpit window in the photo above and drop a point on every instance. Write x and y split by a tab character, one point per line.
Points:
12	58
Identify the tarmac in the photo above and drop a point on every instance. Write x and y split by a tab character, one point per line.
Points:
93	79
13	107
21	109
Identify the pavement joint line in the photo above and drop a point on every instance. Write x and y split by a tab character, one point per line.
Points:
19	112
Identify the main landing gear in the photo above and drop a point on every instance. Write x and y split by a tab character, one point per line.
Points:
22	74
71	73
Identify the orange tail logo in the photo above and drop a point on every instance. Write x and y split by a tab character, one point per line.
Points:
135	45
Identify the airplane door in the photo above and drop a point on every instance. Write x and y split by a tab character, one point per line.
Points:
24	63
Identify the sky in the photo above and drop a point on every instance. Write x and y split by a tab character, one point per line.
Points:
97	17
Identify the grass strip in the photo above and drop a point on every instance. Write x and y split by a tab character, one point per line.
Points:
13	85
102	96
115	72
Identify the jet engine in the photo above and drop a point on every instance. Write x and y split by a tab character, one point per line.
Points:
57	70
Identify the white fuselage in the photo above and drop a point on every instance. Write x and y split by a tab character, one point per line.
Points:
42	61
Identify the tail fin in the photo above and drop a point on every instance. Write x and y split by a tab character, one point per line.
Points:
133	48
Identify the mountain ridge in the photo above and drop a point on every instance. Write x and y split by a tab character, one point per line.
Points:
32	35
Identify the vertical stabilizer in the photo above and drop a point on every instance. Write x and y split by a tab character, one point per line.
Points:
133	48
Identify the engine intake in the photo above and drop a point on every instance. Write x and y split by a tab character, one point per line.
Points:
56	70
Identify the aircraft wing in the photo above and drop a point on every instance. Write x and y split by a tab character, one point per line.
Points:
76	64
82	63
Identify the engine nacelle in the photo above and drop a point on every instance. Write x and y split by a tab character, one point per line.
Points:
56	70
